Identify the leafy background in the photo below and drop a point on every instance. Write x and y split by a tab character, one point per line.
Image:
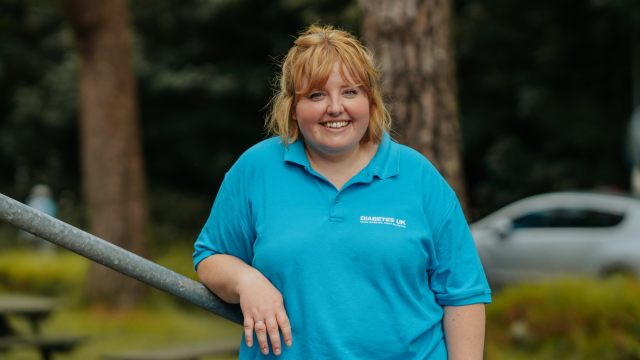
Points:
545	94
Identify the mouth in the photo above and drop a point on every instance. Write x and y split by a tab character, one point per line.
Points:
335	124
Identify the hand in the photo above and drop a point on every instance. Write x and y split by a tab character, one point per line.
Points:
263	309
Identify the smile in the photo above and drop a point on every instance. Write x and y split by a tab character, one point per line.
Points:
335	124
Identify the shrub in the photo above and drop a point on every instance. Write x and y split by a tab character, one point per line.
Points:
569	318
52	274
62	273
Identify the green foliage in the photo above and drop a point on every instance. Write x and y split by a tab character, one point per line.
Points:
38	98
58	273
571	318
545	95
204	70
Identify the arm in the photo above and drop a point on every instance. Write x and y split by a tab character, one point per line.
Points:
225	274
262	305
464	331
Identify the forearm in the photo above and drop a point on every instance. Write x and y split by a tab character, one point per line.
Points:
464	331
225	275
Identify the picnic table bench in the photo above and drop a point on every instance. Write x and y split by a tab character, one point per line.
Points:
34	310
47	345
183	352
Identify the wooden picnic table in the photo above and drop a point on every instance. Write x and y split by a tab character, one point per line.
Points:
34	309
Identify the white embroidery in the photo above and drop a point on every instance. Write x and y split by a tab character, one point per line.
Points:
383	220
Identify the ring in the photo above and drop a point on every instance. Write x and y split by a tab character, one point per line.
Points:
258	321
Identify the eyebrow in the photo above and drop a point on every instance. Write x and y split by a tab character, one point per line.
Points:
341	87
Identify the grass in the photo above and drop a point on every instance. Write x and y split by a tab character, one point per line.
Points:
136	329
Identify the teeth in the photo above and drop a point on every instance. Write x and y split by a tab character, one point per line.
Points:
336	124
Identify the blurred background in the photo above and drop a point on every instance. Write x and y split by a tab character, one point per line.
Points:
543	93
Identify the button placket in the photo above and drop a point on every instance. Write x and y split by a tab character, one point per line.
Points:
336	208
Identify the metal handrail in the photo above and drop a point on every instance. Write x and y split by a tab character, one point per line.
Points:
114	257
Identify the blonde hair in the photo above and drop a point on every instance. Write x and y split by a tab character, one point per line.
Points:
315	52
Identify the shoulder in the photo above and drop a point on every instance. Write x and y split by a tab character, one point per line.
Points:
414	164
262	158
410	156
263	154
271	149
248	170
422	176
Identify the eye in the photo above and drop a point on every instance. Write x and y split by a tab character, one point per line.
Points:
315	95
351	92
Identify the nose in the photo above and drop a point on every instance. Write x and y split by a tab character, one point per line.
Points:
335	107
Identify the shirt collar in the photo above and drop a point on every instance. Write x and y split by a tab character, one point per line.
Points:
385	164
296	154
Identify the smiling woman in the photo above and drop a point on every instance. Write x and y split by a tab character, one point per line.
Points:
318	56
331	81
291	236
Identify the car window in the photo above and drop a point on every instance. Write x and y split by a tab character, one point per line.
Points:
571	218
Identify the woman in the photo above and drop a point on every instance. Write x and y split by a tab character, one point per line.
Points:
336	241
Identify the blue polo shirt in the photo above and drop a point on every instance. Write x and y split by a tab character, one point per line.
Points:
364	271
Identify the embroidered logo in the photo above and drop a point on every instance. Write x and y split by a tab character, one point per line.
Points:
383	221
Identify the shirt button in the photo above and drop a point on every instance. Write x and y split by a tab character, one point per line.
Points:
337	200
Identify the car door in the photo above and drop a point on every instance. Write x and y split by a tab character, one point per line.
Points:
552	241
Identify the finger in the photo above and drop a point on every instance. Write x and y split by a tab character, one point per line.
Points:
248	331
285	327
274	335
261	333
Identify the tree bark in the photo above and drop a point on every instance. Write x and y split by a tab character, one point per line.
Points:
111	154
411	39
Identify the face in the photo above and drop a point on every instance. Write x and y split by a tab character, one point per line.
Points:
333	119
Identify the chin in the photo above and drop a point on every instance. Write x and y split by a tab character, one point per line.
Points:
339	147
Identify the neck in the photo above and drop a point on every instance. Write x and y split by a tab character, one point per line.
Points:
319	159
340	168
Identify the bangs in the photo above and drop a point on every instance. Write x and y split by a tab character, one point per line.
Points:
314	67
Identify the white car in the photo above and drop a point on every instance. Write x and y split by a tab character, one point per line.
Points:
560	233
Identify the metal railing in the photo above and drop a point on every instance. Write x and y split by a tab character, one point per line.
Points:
114	257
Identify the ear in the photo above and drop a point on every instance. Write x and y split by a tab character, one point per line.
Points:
293	114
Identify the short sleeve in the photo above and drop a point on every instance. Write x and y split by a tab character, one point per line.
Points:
458	278
226	231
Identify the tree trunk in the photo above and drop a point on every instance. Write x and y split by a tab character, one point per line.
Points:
411	39
112	163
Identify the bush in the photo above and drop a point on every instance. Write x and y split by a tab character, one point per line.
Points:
52	274
61	273
570	318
